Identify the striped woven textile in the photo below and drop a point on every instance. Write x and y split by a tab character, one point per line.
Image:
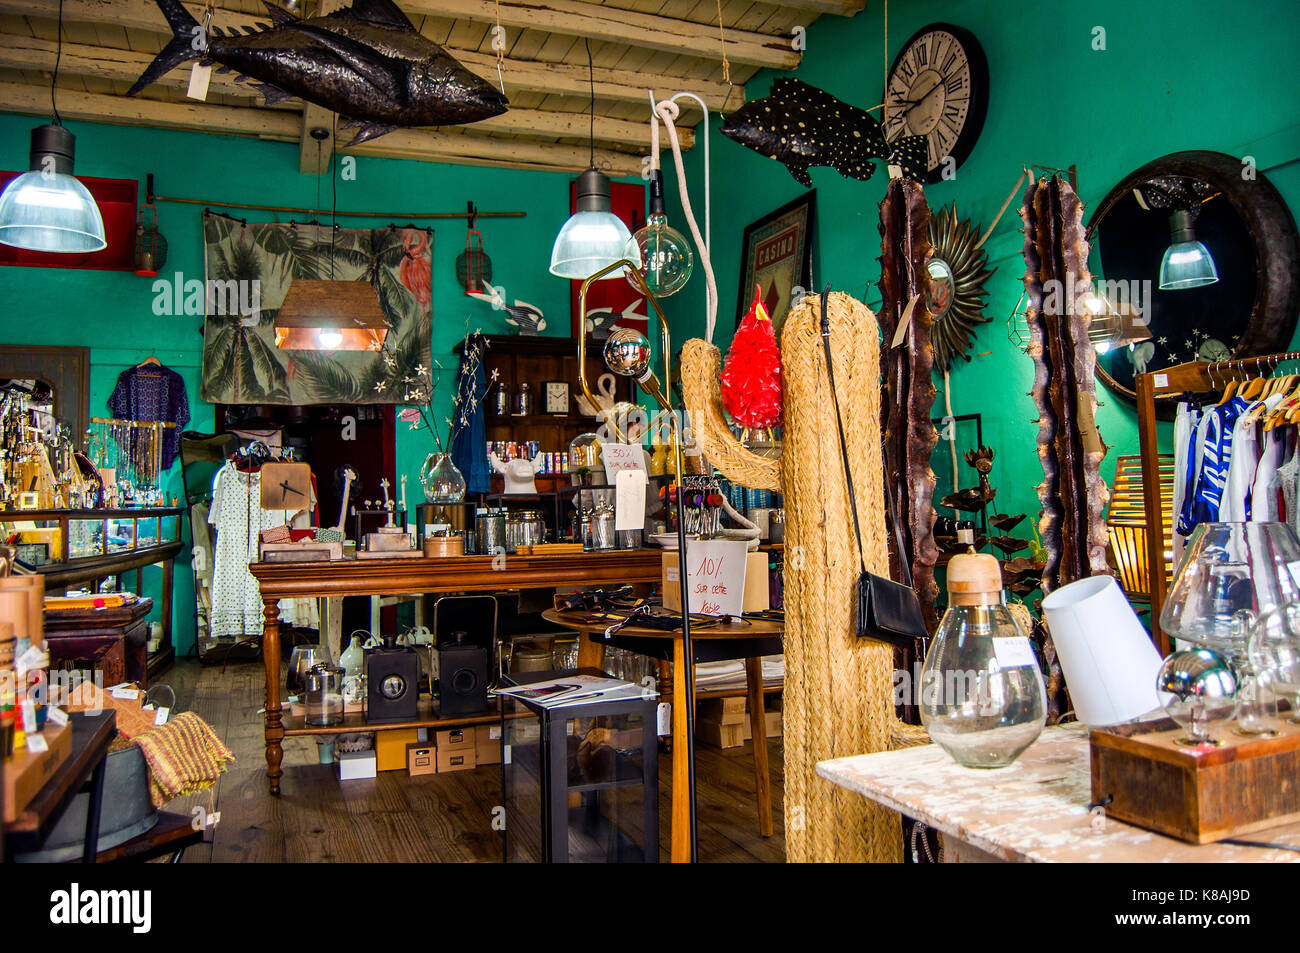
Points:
185	756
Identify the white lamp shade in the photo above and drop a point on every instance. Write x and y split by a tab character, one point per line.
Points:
50	211
1109	661
588	242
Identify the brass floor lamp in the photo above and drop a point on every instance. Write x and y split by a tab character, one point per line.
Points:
627	353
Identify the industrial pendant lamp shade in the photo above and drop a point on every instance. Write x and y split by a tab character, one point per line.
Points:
330	316
47	209
1187	262
594	237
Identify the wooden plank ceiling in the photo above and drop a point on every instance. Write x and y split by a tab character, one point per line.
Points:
636	45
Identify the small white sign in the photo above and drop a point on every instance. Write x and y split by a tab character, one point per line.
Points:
629	499
619	457
160	717
126	694
1014	652
200	77
664	718
27	710
37	744
57	716
1160	380
715	576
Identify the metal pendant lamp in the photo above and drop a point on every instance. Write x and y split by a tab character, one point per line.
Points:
47	208
594	237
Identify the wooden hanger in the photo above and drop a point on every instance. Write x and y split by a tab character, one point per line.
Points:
150	360
1253	389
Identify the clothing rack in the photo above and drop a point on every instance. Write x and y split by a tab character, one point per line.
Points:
1194	377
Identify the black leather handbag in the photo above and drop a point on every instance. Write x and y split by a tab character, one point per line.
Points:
888	611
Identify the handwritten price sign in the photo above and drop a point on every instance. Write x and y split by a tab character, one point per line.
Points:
716	576
619	457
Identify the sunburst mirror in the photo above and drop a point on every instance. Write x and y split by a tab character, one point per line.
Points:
958	273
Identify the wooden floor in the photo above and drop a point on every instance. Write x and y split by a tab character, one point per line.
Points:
396	818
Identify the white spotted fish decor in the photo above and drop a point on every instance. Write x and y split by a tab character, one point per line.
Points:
801	126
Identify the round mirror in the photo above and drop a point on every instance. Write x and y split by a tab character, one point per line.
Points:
1195	256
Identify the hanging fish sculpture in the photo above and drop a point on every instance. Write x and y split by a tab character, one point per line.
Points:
802	126
366	62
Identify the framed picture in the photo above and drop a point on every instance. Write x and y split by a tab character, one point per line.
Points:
776	256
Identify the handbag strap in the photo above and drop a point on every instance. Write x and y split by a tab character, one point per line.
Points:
844	451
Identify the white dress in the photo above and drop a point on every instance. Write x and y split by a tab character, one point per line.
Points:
238	517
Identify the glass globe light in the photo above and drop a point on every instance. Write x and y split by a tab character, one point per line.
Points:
1198	689
662	254
627	352
593	238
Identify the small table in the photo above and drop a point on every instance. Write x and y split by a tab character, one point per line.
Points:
91	736
1035	810
749	640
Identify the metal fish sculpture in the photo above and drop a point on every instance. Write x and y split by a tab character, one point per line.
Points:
366	62
801	126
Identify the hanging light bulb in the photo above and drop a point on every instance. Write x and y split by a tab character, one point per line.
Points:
661	252
1187	262
47	209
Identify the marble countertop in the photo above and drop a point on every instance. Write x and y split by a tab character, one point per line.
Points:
1035	810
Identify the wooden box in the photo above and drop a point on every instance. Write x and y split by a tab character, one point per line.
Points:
1199	795
26	773
456	758
421	758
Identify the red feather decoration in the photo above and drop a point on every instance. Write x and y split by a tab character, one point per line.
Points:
751	374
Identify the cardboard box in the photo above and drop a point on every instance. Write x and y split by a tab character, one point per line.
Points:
754	598
725	711
356	765
456	758
719	735
390	748
773	720
421	758
26	773
487	744
459	738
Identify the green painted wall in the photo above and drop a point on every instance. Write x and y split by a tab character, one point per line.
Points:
111	312
1173	76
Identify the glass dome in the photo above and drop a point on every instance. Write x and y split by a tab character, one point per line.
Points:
662	255
588	242
1187	265
50	211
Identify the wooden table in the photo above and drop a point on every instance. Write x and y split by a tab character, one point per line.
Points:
744	640
419	576
91	736
1036	810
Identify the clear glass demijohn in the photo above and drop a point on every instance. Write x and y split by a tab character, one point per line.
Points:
981	695
443	482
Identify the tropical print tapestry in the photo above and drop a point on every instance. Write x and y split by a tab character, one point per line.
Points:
249	268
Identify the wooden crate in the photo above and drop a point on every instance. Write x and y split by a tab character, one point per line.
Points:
1199	795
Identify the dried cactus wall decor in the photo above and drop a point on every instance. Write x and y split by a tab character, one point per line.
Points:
1073	494
908	392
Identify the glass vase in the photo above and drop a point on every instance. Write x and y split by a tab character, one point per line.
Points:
443	483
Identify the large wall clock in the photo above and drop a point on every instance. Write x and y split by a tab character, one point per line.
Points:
938	88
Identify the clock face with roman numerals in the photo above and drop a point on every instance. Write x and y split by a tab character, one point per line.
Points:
938	88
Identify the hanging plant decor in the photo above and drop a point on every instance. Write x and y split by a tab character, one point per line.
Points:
958	273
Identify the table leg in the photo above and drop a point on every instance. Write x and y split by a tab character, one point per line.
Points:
681	814
590	654
91	847
271	659
758	729
168	574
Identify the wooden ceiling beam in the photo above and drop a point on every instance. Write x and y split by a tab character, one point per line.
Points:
594	21
30	53
285	126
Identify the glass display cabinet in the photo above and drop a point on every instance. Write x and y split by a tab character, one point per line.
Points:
581	781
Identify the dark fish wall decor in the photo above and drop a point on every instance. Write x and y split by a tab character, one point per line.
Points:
801	126
366	62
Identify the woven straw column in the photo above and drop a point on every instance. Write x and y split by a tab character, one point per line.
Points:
838	689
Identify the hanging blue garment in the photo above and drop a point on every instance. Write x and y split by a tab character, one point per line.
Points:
1216	454
1185	454
468	427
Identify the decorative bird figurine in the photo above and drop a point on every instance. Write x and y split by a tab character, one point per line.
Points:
526	317
802	126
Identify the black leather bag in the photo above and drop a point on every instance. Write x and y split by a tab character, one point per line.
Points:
888	611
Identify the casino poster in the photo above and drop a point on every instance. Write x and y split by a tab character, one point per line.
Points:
777	261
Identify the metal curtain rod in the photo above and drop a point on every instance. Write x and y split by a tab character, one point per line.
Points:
312	211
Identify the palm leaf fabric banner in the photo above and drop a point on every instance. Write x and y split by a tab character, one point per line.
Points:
249	268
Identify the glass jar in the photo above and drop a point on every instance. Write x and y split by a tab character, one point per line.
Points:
524	528
323	685
982	696
524	401
442	480
502	400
